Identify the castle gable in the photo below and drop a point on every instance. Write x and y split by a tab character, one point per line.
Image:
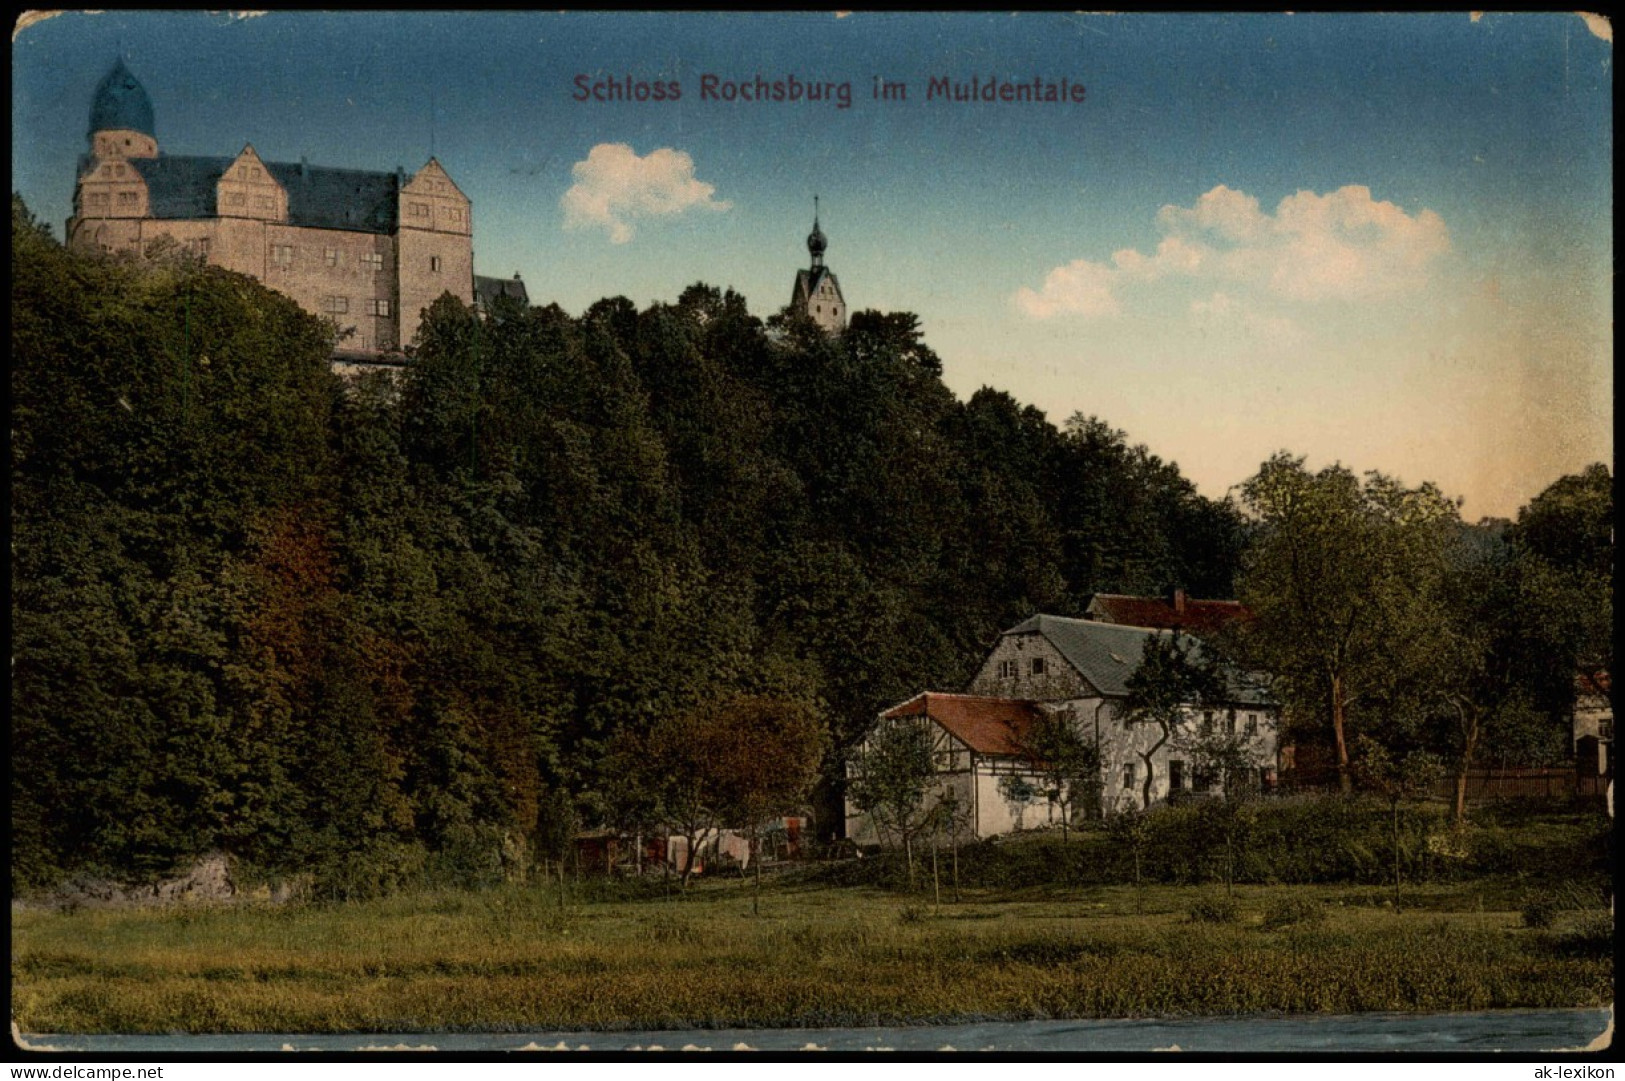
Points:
430	200
248	190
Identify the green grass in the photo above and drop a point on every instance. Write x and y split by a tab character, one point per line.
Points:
507	959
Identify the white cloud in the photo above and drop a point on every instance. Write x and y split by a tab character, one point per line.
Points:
614	188
1341	246
1079	288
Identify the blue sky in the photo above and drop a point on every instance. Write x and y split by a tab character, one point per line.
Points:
1384	240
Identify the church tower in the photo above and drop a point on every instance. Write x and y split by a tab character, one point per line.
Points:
817	294
121	118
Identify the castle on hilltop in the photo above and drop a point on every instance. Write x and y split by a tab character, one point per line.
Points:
370	250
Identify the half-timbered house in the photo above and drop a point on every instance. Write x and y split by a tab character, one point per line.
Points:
1079	669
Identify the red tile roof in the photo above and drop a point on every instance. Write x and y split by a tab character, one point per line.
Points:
1158	613
985	725
1598	684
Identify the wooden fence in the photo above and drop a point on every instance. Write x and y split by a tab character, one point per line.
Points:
1560	782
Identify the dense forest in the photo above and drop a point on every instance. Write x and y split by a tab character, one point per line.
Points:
374	628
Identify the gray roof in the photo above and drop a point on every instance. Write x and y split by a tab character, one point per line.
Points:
121	103
808	281
355	200
1106	654
486	290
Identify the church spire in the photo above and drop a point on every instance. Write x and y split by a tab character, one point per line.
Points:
816	243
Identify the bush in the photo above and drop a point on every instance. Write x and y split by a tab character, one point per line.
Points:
1540	910
1294	912
1214	910
911	914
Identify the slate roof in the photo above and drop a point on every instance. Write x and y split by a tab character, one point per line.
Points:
355	200
1195	615
121	103
1106	654
488	289
808	281
986	725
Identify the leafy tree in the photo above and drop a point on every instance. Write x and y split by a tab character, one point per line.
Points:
1398	777
1068	764
768	767
888	779
1173	678
1333	577
1563	543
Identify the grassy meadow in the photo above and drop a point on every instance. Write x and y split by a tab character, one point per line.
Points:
508	958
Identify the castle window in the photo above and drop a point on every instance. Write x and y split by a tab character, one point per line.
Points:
330	256
434	264
378	307
454	213
282	254
418	210
126	198
253	172
236	198
97	198
336	305
373	261
263	202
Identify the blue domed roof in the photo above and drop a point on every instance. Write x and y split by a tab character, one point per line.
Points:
121	104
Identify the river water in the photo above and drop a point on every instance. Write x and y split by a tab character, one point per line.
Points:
1485	1031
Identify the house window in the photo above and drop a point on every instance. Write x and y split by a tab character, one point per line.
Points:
97	198
1176	775
282	254
1230	723
330	256
434	264
378	307
252	171
373	260
1207	722
1038	666
336	305
126	198
454	213
1252	725
1007	669
1128	775
1204	780
236	198
200	247
418	210
263	202
1605	729
118	170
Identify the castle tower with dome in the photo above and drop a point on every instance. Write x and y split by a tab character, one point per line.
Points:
370	250
816	292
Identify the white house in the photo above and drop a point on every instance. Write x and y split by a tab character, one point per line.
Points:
1079	669
1594	724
